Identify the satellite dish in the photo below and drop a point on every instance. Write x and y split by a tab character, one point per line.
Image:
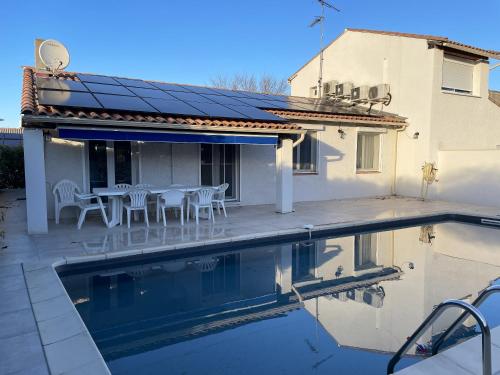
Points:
53	55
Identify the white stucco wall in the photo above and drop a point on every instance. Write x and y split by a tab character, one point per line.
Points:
63	160
445	121
337	176
257	174
468	176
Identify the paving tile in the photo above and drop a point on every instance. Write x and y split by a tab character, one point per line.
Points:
97	367
44	292
52	308
60	328
61	355
17	323
41	277
12	283
14	301
21	353
10	270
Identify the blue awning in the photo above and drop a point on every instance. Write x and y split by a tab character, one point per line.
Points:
170	137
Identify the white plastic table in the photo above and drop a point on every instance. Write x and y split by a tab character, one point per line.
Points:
114	195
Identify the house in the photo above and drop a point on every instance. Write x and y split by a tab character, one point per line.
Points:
99	130
441	87
11	137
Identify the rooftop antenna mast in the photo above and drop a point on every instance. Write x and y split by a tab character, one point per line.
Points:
320	20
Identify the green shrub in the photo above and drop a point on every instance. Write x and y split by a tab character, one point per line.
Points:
11	167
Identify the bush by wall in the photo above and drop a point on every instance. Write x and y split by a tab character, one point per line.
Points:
11	167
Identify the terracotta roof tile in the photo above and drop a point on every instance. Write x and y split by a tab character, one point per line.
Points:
435	38
440	39
494	96
307	116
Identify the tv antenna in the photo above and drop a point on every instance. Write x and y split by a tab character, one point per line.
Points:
320	20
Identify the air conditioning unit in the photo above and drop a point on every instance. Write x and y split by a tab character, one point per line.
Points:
360	94
329	88
379	93
343	90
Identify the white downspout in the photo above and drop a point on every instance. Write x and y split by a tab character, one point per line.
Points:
299	141
393	187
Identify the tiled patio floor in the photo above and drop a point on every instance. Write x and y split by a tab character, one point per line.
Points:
21	348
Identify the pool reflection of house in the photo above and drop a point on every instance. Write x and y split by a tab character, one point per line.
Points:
362	289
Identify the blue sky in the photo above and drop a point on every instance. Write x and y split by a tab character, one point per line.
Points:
190	41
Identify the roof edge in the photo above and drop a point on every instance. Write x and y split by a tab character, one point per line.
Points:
35	121
441	39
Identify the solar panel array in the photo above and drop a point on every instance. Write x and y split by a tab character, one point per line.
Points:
110	93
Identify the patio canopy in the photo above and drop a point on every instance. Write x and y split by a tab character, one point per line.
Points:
165	136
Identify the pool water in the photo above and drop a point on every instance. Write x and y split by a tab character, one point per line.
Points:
340	305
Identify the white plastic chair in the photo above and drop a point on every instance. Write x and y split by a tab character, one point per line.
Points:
64	196
219	197
202	199
138	202
172	199
126	187
86	205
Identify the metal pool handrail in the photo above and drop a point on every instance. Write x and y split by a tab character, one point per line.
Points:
485	294
485	331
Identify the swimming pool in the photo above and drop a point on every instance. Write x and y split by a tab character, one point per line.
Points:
326	305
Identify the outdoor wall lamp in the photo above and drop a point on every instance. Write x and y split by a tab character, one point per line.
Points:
342	133
415	135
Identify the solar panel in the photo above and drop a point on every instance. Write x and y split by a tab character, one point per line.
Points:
258	95
126	103
97	79
256	103
169	86
189	97
67	99
135	83
59	84
222	99
108	89
200	90
276	104
150	93
237	94
255	113
217	110
174	107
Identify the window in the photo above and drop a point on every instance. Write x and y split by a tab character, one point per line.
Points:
98	164
368	152
303	261
123	163
365	251
313	92
305	155
458	75
219	164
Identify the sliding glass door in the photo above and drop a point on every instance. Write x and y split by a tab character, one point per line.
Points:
101	161
220	164
98	164
123	163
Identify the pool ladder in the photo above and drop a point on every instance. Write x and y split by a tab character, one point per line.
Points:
467	308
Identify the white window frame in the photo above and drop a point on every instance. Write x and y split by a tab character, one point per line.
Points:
377	266
110	158
379	161
238	172
313	92
315	169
